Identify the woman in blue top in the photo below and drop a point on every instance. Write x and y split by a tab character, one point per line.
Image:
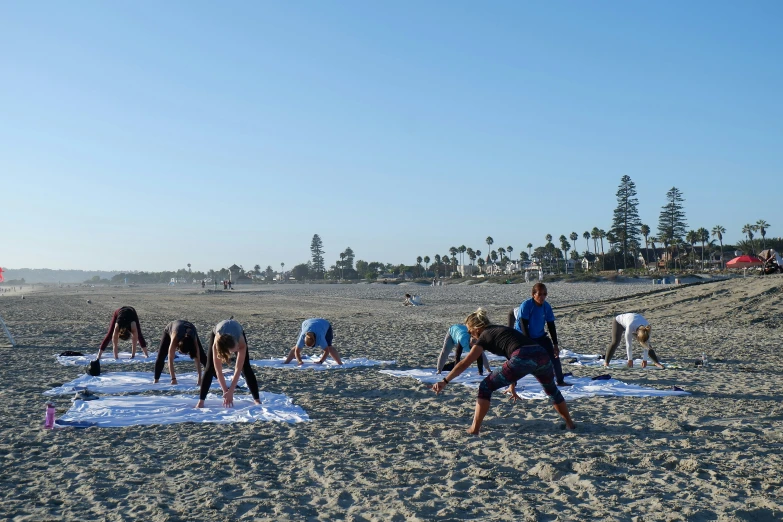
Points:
315	332
458	336
530	318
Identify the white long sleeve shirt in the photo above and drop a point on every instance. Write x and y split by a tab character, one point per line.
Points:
631	322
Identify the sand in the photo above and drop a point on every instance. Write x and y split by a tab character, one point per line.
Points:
382	448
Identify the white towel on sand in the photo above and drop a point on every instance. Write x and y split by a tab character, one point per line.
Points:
108	358
135	410
529	388
133	382
596	360
310	363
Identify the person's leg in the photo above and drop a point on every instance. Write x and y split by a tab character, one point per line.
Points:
511	319
202	355
249	375
511	371
332	351
485	360
544	375
480	365
546	343
163	351
209	371
617	335
142	342
448	345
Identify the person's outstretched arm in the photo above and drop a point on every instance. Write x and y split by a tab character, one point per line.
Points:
460	367
172	355
109	333
524	326
512	321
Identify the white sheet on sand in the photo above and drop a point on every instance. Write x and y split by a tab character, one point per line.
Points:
310	363
108	358
596	360
133	382
529	388
135	410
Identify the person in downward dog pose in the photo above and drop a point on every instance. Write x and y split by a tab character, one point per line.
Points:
124	325
530	318
524	355
624	326
315	332
458	337
226	338
179	336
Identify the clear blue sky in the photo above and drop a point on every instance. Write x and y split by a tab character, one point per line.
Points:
147	135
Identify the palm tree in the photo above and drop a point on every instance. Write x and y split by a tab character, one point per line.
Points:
437	264
462	250
654	240
509	250
342	264
594	236
718	231
762	228
704	237
489	241
565	246
418	264
645	230
612	240
426	262
601	236
189	267
282	272
471	255
748	230
529	246
692	237
501	253
586	235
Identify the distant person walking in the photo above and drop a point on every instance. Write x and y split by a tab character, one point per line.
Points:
531	317
179	336
623	327
524	357
458	338
124	325
228	337
315	332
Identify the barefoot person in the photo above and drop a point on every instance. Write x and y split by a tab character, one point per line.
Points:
124	325
315	332
226	338
530	318
624	326
458	337
524	355
179	336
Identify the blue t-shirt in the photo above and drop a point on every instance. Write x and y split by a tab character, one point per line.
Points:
459	334
319	327
536	316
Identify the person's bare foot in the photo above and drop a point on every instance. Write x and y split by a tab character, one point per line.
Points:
470	431
571	427
644	364
659	365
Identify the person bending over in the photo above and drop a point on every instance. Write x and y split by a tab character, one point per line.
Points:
179	336
124	325
227	338
458	337
530	318
524	356
315	332
624	326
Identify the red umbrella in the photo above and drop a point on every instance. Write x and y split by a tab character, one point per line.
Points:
744	262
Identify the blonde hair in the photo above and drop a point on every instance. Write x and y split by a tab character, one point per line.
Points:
309	339
643	334
224	343
478	320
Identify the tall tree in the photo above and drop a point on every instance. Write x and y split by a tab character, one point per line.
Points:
704	237
317	252
692	237
626	216
762	228
282	272
748	230
437	265
586	235
426	262
529	246
645	230
601	236
718	231
489	242
462	250
565	245
501	253
671	220
269	273
509	249
594	235
419	259
471	255
574	237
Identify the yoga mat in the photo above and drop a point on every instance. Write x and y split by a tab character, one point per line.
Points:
108	358
310	363
134	410
134	382
595	360
529	388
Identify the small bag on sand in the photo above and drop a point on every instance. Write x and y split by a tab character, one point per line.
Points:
94	368
70	353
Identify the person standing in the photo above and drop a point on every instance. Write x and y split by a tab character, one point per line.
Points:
531	317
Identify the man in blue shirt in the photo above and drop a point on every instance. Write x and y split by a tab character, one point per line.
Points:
315	332
530	318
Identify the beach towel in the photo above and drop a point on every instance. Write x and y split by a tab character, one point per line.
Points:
108	358
529	388
596	360
133	382
310	363
136	410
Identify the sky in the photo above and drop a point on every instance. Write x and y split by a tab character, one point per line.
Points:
148	135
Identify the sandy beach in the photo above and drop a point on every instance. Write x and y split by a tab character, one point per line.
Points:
383	448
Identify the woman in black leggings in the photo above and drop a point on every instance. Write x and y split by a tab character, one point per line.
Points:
124	325
179	336
226	338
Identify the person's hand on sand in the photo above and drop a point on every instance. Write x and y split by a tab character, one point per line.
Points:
174	381
155	381
630	364
228	399
200	404
659	365
439	386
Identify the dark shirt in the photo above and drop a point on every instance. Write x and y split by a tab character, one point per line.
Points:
125	316
503	341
